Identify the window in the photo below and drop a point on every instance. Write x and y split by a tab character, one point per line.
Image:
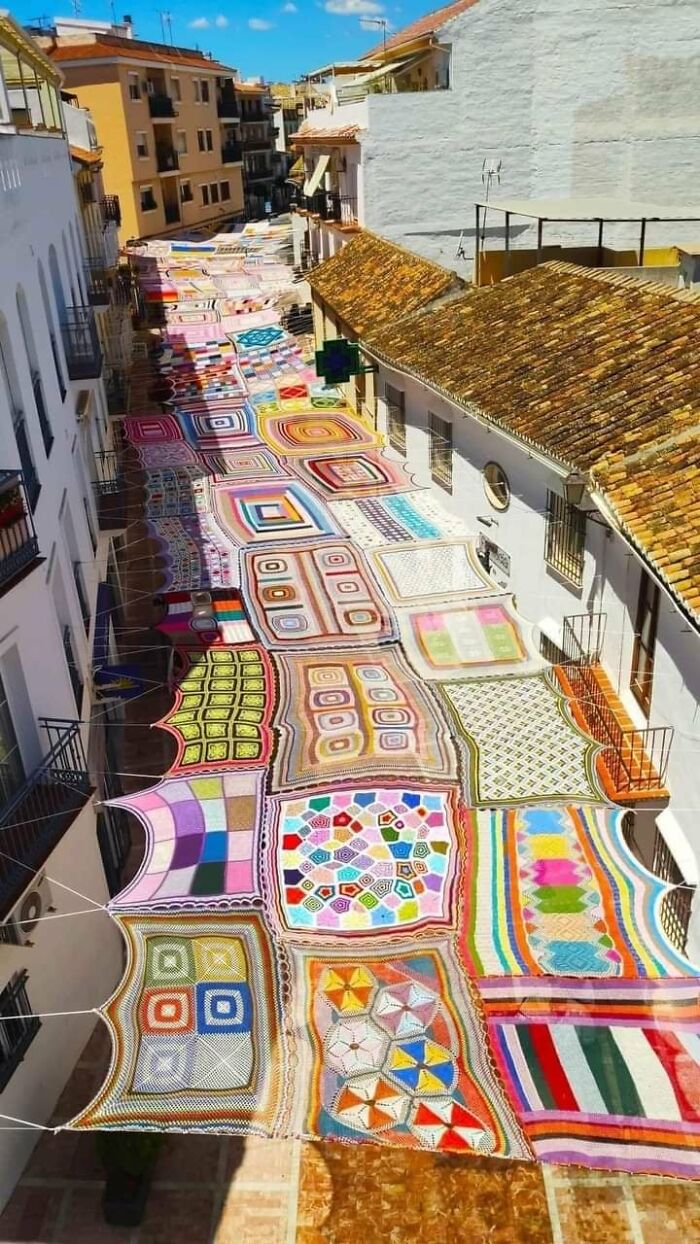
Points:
214	192
148	203
18	1027
11	766
205	91
225	191
90	525
441	452
141	145
82	598
52	336
196	87
185	192
396	418
176	90
181	142
201	143
565	538
134	88
210	140
642	675
33	362
10	384
205	195
496	486
76	680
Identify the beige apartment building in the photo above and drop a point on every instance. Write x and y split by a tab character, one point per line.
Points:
166	119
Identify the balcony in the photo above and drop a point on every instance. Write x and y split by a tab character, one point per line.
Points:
110	491
111	210
161	106
256	144
231	153
35	815
117	393
166	158
633	763
227	108
335	208
81	343
97	281
172	213
19	546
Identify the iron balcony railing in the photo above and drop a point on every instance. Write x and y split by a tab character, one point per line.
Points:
38	812
227	106
98	286
18	1027
231	153
111	210
167	158
637	760
161	106
81	343
330	206
19	546
32	482
110	492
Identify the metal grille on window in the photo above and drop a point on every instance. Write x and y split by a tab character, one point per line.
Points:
565	539
73	668
18	1027
396	418
82	598
441	452
675	906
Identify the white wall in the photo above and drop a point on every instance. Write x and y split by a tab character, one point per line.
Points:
574	96
75	963
610	582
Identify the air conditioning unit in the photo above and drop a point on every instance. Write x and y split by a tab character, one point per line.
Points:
35	903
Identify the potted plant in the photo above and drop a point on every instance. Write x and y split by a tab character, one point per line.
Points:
128	1159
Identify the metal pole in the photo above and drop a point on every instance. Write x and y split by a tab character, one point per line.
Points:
600	243
507	263
539	240
476	252
642	237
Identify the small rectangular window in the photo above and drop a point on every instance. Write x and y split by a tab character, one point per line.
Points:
134	87
148	203
181	142
205	91
565	538
214	192
210	141
441	452
141	145
185	192
642	674
201	143
176	90
396	418
197	90
18	1027
225	191
205	195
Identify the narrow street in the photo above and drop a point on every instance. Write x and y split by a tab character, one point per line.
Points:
379	896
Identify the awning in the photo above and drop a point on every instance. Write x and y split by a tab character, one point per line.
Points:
313	182
297	169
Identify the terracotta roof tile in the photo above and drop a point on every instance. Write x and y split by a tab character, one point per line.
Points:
343	134
108	46
370	282
422	26
594	370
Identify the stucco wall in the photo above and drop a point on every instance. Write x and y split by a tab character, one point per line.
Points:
573	96
610	582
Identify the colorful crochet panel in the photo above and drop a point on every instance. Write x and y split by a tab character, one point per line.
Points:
383	898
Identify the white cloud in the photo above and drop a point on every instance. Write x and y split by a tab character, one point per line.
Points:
353	8
199	23
289	8
259	23
221	21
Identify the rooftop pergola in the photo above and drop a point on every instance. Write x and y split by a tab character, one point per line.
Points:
583	209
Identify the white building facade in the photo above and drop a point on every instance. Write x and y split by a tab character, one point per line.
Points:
59	950
494	97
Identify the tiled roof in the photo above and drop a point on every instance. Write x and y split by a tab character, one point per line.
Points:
591	369
422	26
109	46
342	134
84	156
656	499
371	282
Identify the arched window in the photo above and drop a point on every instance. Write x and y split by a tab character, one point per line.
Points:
57	283
52	331
69	270
78	262
33	361
10	392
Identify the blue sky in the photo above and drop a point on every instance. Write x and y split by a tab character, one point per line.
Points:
278	39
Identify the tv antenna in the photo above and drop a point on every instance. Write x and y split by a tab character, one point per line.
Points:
380	22
166	20
490	173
